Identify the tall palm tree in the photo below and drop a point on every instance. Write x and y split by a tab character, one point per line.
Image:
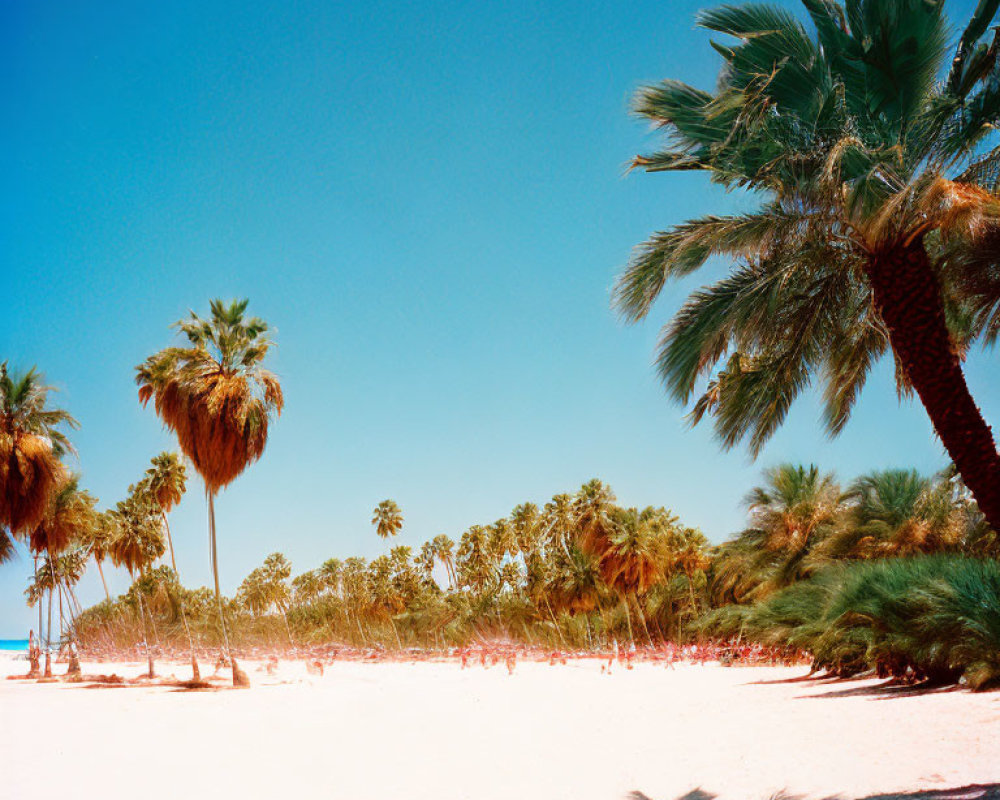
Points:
137	544
425	560
31	444
331	572
167	479
219	400
387	519
97	538
444	551
70	513
871	237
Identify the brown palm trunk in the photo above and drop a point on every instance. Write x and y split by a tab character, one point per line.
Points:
100	569
145	638
48	639
170	541
907	295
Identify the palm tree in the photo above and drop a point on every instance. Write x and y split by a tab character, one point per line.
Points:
444	551
871	237
219	400
425	562
70	514
31	445
167	479
331	571
559	520
97	538
137	544
795	510
266	587
476	561
387	519
632	553
897	513
592	507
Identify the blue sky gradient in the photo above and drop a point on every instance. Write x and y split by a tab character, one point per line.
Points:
429	203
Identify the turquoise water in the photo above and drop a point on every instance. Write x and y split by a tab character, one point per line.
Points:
13	644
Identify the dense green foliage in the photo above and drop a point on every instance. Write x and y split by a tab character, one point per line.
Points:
934	618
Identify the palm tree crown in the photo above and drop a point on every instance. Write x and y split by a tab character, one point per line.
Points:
31	444
214	394
167	480
387	519
870	217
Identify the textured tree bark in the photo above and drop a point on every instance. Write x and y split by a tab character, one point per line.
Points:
908	297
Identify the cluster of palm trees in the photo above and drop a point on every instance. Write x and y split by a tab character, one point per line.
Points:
213	394
931	618
897	573
580	571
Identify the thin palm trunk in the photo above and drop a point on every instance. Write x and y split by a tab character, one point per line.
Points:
907	294
642	618
215	569
357	619
170	541
288	629
554	621
218	594
195	672
100	569
40	602
73	598
142	617
694	602
62	619
628	619
48	639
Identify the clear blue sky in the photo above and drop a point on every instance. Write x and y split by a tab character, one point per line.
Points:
428	201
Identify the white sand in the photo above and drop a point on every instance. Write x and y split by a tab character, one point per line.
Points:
423	730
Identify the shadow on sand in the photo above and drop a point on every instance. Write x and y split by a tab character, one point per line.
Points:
886	690
974	791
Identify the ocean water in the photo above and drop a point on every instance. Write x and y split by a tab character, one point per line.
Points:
13	645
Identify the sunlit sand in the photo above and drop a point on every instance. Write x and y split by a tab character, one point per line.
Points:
435	730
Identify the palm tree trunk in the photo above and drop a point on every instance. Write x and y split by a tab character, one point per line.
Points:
215	567
642	618
40	600
75	601
142	617
195	672
48	639
62	619
907	294
100	569
170	541
288	629
554	621
628	619
218	594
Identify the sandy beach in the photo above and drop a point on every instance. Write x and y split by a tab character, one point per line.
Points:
434	730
